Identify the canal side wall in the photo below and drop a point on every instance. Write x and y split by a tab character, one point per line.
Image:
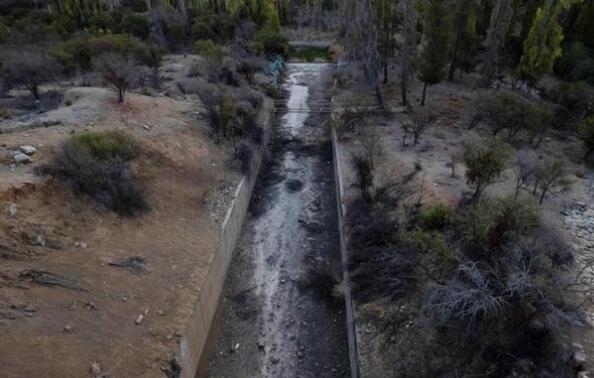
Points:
341	213
194	339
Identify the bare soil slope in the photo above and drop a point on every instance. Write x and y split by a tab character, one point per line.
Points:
64	301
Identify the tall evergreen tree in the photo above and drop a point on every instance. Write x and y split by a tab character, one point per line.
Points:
437	39
409	46
495	38
465	40
543	44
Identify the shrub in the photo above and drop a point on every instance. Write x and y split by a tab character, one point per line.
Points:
364	171
549	176
487	225
576	63
485	164
272	91
220	110
106	145
506	110
98	164
437	217
211	52
80	51
27	68
220	28
269	42
243	156
574	99
120	71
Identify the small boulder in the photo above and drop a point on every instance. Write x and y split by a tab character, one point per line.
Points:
28	150
21	158
96	369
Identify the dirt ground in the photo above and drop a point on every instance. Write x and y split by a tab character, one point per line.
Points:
423	173
63	304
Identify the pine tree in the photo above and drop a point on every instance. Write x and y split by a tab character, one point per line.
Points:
409	46
438	35
465	40
542	47
495	38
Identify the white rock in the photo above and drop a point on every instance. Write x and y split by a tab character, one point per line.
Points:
21	158
28	150
579	358
583	374
12	210
96	369
139	319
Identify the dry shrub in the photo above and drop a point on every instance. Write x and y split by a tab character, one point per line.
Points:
98	164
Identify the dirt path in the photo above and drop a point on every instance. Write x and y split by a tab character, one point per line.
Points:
279	315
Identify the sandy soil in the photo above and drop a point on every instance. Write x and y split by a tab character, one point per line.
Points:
60	331
450	105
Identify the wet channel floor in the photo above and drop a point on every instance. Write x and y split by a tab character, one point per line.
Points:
280	315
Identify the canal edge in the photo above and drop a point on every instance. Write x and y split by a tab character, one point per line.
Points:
192	344
351	324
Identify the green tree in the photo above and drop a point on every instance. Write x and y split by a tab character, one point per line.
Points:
485	164
542	47
495	38
465	40
438	35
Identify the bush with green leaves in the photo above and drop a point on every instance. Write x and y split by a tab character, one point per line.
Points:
221	111
211	52
485	164
97	164
220	28
576	63
506	110
79	51
270	42
574	100
437	217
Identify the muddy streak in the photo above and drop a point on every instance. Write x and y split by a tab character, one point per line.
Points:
280	318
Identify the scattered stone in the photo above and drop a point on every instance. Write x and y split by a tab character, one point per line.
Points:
68	328
161	313
28	150
260	343
146	127
21	158
90	306
96	369
139	319
579	358
80	244
12	210
274	359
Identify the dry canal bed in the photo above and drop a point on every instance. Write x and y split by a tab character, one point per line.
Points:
279	314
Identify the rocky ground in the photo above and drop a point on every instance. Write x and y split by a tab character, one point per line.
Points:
84	292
